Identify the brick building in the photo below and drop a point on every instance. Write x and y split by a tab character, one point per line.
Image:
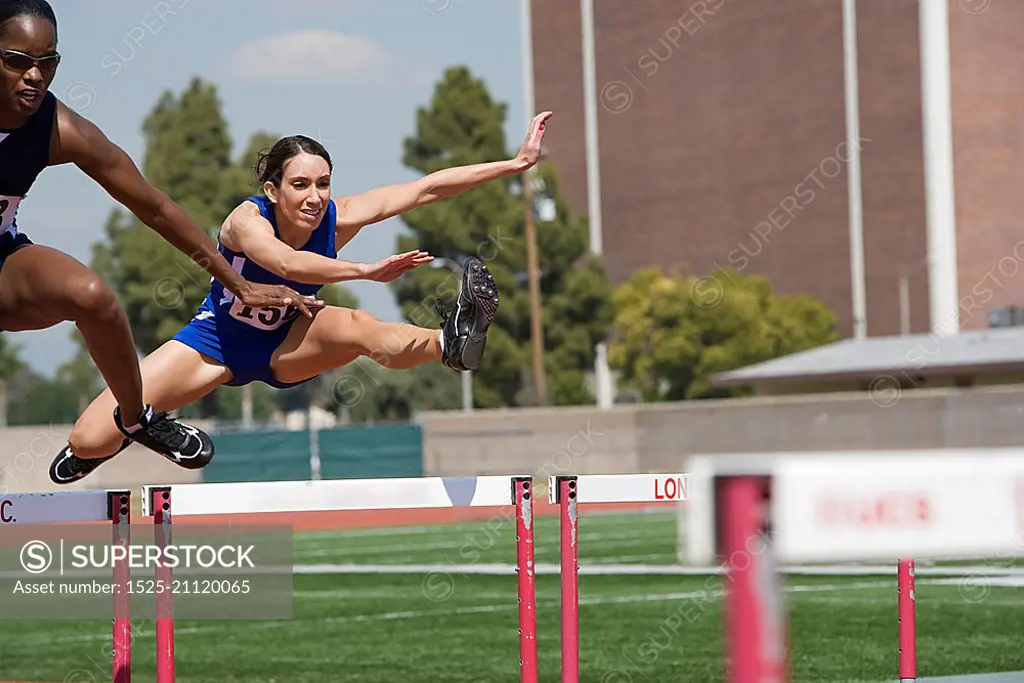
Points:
722	141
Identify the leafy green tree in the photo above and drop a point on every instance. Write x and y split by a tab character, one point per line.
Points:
10	360
10	363
674	331
464	125
79	376
35	399
370	392
41	400
188	156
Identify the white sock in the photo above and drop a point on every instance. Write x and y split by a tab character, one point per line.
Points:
148	413
441	340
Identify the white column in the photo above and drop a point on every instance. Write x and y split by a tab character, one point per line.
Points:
938	166
602	375
850	74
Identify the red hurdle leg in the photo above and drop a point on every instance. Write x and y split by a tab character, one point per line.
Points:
522	495
570	578
907	618
120	515
753	602
161	506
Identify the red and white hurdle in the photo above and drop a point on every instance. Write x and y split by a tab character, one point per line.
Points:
842	507
570	491
73	507
165	503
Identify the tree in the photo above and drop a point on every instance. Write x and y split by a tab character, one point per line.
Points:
370	392
188	156
463	125
674	331
79	377
10	363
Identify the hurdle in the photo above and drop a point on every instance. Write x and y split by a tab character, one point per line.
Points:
165	503
71	507
568	491
963	503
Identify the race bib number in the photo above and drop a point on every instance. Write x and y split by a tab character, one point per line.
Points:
269	318
8	210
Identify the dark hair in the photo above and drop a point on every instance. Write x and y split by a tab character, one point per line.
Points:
33	8
270	165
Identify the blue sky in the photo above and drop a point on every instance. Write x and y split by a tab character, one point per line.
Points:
349	72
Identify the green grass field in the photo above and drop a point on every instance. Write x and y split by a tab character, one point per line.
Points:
453	625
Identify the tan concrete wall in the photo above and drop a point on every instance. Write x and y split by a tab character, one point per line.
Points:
657	438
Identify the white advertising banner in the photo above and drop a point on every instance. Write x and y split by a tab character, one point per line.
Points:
867	507
874	505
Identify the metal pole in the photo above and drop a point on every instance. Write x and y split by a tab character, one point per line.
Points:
602	376
904	305
247	407
853	181
540	380
314	444
467	391
938	166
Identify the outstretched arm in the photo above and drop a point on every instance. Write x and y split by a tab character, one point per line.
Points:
79	141
247	231
360	210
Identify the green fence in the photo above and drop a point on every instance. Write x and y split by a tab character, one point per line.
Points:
345	453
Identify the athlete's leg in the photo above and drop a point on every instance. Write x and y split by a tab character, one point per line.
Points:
174	375
41	287
337	336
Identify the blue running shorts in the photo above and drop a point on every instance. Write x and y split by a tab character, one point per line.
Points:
246	354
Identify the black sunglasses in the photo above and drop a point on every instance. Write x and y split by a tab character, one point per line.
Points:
19	61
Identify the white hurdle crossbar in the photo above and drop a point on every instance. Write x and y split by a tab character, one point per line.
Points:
184	500
72	507
60	507
332	495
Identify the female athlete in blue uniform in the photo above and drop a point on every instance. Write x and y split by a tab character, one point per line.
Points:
291	236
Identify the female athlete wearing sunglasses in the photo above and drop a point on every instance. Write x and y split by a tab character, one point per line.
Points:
41	287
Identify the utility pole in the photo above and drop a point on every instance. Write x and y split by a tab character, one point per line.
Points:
540	380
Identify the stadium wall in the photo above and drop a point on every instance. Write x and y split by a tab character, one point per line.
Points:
579	440
657	438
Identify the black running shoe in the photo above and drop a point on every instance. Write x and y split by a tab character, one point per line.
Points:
465	328
182	444
68	467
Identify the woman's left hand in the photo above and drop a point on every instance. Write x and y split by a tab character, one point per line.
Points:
395	266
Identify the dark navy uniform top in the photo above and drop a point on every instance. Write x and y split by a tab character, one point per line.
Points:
24	153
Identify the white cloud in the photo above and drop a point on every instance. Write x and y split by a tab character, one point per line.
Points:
314	57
